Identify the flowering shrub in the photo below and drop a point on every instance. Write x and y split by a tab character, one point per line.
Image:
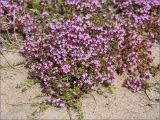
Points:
88	43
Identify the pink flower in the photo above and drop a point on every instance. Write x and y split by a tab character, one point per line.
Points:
44	15
66	68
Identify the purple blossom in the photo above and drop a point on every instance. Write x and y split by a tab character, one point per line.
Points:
66	68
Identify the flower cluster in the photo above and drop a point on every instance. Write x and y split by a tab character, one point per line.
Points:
87	46
89	5
84	51
8	11
27	23
134	83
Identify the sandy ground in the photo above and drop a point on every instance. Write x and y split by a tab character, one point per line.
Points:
122	104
